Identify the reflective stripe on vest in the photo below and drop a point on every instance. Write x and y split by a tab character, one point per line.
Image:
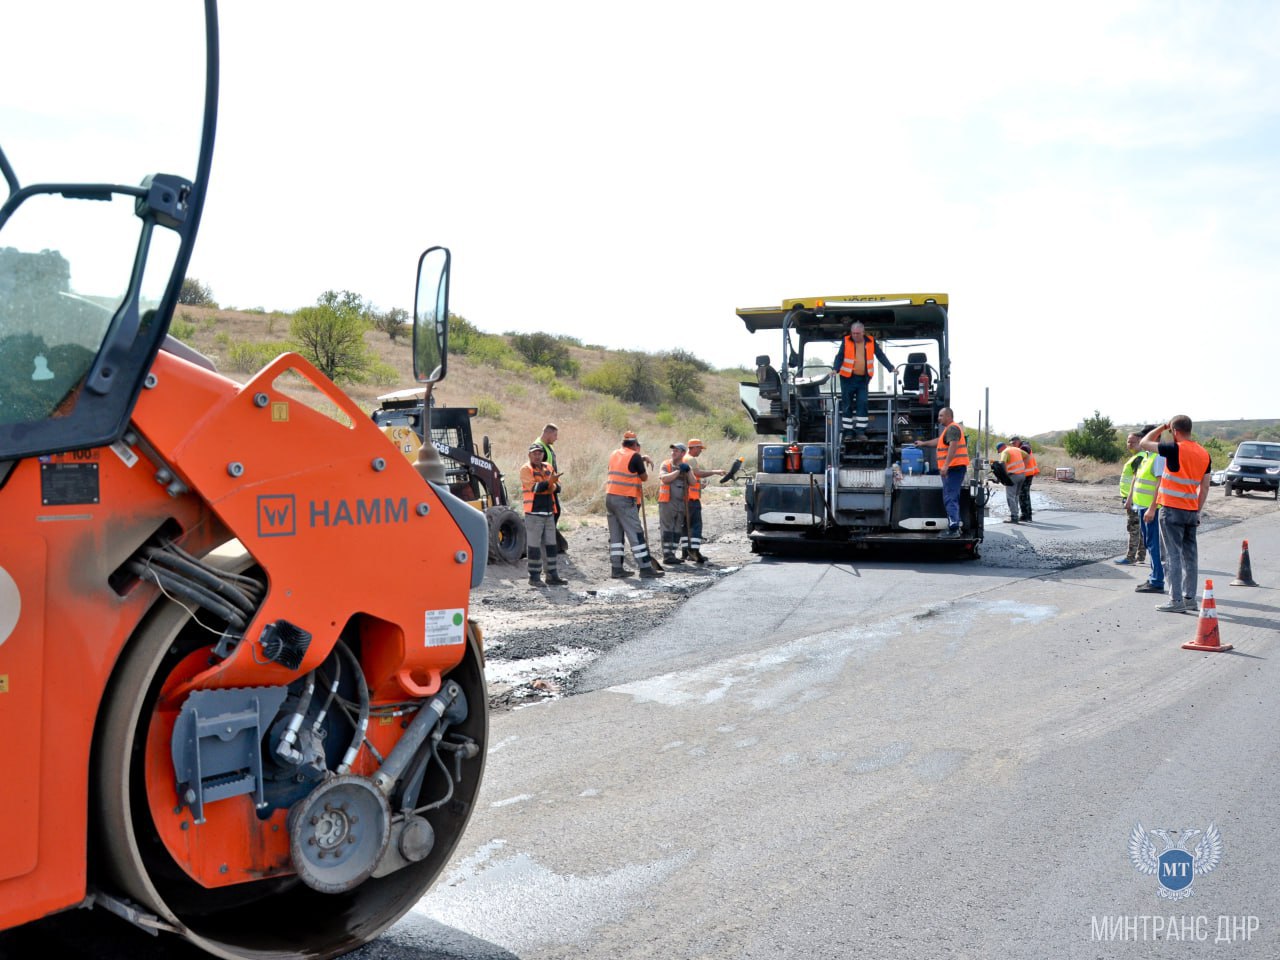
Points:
1145	483
1014	462
1181	488
1126	476
1033	468
849	366
621	481
961	458
695	484
529	480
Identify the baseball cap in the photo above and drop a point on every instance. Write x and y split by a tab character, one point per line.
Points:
534	446
1001	446
680	446
630	437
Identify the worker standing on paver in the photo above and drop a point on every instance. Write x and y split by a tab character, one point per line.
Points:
1015	466
1136	552
855	362
1184	487
694	502
672	507
623	491
538	483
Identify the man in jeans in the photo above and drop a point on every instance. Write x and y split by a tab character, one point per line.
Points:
1184	487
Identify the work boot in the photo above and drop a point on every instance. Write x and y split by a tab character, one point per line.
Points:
535	580
647	572
698	557
554	580
618	573
671	558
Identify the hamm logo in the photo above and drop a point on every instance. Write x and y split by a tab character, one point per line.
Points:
277	515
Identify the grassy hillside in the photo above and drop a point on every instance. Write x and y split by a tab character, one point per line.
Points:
514	399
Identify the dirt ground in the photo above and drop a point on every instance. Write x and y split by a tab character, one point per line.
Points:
537	638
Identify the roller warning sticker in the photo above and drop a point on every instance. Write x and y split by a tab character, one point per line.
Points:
445	628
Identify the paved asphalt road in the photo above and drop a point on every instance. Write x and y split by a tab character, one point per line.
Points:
818	759
876	759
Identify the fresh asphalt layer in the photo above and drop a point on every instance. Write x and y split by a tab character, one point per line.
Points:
887	759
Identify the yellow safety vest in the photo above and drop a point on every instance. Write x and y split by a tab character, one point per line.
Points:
1145	482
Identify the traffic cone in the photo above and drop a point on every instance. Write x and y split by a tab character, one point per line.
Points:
1245	577
1207	626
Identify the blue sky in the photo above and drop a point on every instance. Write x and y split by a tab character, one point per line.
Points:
1093	185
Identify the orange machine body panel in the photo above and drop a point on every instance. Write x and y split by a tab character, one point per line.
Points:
340	529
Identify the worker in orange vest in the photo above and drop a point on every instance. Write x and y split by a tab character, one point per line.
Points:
623	493
855	363
1184	487
1015	465
673	510
539	485
1031	471
953	462
692	548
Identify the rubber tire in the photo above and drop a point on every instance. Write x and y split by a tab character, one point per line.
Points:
506	535
284	920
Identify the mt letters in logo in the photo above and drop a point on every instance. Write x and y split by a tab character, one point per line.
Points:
1163	854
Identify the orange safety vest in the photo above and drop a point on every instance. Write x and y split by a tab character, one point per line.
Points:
620	480
1015	461
961	459
860	363
664	488
1180	489
1033	468
531	476
695	485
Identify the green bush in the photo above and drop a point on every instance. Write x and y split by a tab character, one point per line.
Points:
193	293
543	375
683	379
222	341
564	394
182	329
1095	440
666	418
491	350
462	334
1220	452
611	414
382	374
631	376
488	407
247	357
545	350
610	377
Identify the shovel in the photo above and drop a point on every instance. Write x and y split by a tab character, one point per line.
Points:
644	521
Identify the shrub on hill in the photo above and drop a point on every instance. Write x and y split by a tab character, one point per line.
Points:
1095	440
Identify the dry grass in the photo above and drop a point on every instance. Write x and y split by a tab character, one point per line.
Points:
520	406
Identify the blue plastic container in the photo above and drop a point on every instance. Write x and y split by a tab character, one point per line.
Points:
813	458
772	459
912	461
